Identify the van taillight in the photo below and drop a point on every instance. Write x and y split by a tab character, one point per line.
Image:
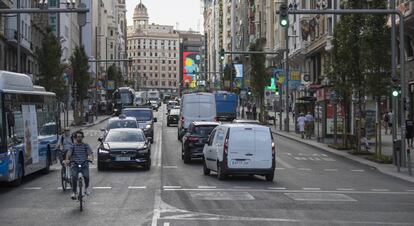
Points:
226	146
273	148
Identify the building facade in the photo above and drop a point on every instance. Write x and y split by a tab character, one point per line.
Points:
155	53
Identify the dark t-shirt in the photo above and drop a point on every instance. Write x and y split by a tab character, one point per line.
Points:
79	152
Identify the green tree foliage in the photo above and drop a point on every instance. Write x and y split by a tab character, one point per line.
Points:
50	68
81	76
114	74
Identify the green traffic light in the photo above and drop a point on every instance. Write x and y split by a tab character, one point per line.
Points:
284	23
395	93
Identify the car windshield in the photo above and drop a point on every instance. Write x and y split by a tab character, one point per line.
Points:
125	136
153	99
122	124
203	131
140	115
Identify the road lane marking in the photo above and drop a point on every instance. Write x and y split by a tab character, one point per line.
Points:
320	197
102	188
304	169
357	170
331	170
379	189
277	188
410	190
32	188
169	167
311	189
220	195
137	187
283	163
171	187
166	223
207	187
279	168
345	189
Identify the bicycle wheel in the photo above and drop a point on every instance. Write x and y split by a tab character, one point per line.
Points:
80	195
63	178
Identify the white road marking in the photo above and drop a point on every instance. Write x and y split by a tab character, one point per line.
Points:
358	170
207	187
279	168
59	188
171	187
410	190
102	188
345	189
32	188
286	153
311	189
331	170
166	223
277	188
320	197
159	154
283	163
304	169
169	167
137	187
379	189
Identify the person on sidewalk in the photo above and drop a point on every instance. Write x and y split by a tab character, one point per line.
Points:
390	118
309	123
409	130
301	123
386	119
254	111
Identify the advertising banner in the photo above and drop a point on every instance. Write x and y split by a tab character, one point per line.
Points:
239	70
30	134
191	68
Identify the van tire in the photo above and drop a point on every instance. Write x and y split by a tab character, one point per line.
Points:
270	177
206	171
220	172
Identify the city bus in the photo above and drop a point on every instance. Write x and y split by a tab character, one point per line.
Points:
29	127
123	97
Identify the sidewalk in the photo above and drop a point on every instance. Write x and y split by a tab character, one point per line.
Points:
100	119
388	169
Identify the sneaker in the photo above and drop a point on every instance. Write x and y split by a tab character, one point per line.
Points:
87	191
73	196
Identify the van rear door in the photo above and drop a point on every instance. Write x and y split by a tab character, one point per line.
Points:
263	148
241	148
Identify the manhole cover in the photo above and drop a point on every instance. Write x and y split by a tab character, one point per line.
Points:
321	197
221	196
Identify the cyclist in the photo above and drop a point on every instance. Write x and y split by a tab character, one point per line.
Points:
65	143
79	153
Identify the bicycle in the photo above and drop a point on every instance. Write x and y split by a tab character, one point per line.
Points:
65	176
80	191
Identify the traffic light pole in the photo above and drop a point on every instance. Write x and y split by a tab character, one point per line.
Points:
404	85
287	74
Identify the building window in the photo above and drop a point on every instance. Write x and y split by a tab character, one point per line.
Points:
169	75
150	68
112	33
163	83
163	75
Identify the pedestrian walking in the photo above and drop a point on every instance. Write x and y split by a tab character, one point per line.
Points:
254	109
409	133
309	125
301	123
390	118
386	119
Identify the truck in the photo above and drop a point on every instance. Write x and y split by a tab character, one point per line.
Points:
155	96
141	98
226	105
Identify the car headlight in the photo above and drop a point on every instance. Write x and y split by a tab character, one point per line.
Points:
103	151
148	127
143	150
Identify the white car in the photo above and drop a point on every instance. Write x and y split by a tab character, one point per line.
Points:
240	149
196	107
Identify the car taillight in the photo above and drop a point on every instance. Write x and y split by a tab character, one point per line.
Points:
226	146
273	148
193	138
215	119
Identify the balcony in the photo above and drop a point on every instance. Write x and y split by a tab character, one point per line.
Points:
6	4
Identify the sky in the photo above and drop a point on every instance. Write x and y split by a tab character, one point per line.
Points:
187	13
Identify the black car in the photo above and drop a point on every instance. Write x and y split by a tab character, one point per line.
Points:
195	138
145	119
125	146
173	116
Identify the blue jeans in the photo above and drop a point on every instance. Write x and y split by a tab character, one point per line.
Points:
85	172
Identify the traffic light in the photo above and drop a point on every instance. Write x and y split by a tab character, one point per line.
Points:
222	54
249	92
396	91
283	15
277	90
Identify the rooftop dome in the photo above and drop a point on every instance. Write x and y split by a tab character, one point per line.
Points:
140	10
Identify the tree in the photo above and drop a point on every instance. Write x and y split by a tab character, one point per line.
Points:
259	78
114	74
81	76
50	67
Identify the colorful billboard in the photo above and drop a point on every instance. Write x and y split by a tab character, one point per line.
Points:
191	68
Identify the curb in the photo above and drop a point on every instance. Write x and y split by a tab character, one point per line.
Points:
352	158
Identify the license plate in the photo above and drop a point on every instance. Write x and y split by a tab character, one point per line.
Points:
122	158
240	162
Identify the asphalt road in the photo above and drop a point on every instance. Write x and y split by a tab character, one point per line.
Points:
311	187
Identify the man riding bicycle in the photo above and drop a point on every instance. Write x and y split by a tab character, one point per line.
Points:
65	143
79	153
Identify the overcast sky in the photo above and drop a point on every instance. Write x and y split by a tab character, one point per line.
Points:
187	13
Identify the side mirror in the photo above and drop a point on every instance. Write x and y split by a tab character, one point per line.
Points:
155	120
100	139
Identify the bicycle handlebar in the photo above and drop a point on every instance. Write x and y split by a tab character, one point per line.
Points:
84	162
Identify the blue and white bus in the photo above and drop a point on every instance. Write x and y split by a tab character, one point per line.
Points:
29	131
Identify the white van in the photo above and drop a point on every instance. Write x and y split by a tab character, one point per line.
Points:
196	107
240	149
141	98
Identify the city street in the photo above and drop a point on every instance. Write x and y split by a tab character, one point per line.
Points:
311	187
